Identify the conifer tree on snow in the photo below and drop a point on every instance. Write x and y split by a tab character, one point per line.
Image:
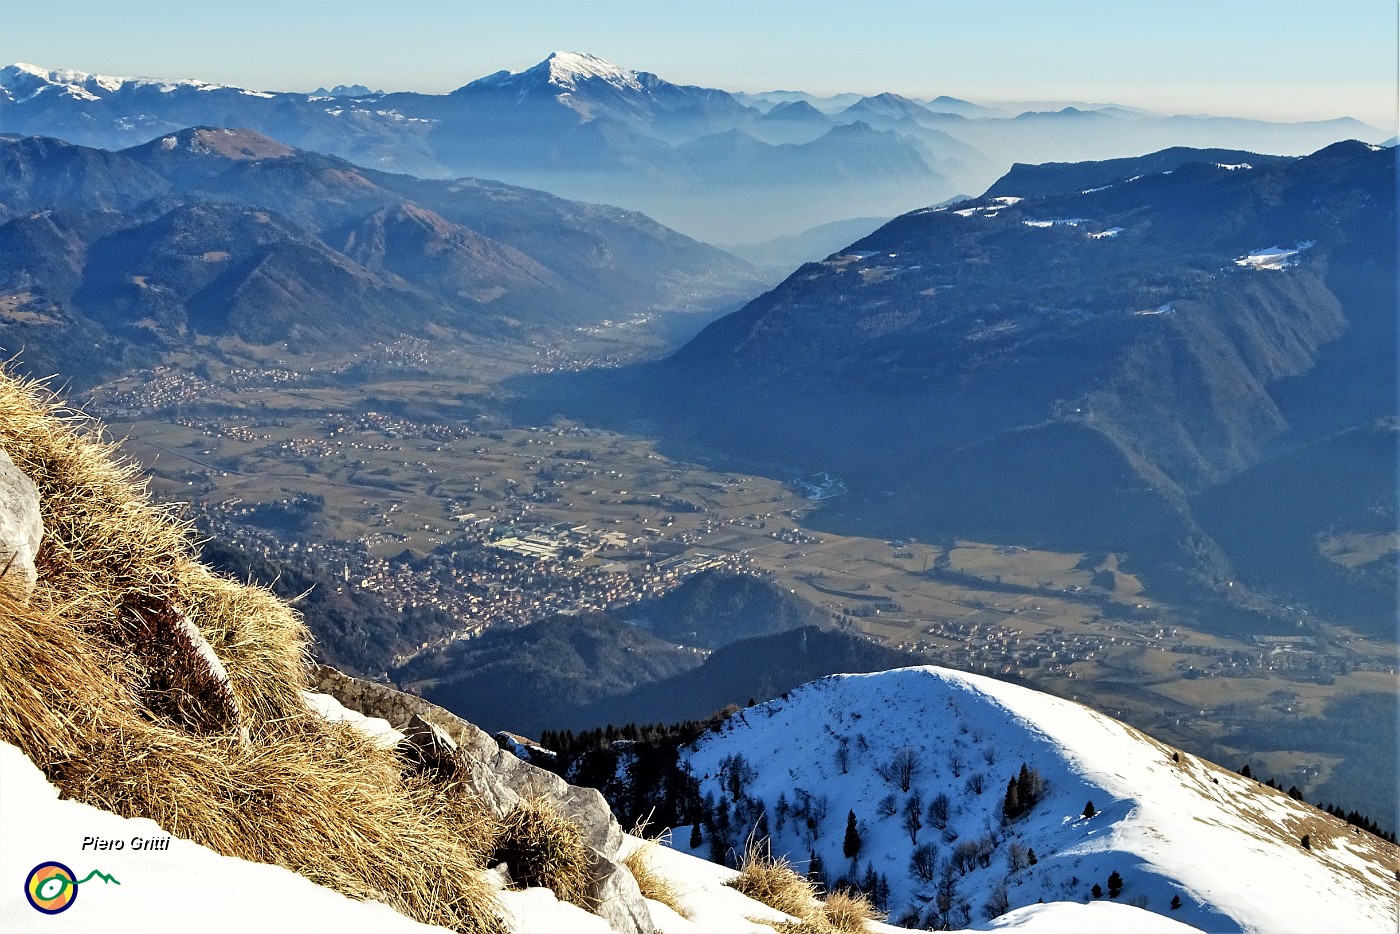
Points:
851	845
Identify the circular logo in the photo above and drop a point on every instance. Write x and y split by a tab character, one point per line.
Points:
51	888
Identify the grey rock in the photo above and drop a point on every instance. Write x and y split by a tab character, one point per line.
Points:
21	528
619	900
435	737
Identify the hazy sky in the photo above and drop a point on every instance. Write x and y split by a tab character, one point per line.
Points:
1287	59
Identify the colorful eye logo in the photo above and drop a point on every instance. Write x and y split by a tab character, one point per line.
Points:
51	888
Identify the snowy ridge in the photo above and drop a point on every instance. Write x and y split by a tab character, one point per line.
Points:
22	81
1227	847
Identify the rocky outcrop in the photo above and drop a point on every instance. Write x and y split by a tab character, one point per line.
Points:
439	740
21	528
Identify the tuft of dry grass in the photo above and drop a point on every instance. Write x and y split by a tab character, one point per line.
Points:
772	880
83	696
541	847
654	885
847	912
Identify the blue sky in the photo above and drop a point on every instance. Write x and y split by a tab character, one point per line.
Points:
1285	59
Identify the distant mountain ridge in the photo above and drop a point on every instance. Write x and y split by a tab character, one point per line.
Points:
588	129
227	232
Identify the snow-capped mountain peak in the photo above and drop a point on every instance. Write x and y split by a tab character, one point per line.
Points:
570	77
568	69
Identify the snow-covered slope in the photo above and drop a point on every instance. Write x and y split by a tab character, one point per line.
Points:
1170	825
190	888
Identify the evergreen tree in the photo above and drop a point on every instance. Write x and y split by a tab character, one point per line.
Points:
851	845
1011	804
1307	841
696	840
816	871
1096	891
1176	902
1115	884
1245	771
1031	857
1089	810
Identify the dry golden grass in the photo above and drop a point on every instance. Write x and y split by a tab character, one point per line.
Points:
654	885
317	798
543	848
848	911
772	880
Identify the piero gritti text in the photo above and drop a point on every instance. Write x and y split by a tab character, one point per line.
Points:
137	844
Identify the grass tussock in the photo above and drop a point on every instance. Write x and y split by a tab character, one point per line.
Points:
76	695
654	885
772	880
541	847
847	912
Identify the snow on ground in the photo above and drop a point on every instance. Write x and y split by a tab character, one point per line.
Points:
990	210
714	907
1227	846
182	889
1057	221
376	728
1235	167
1274	257
1109	233
1074	918
710	906
537	911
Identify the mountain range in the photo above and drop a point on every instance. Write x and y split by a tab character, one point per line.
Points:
214	233
1118	355
731	168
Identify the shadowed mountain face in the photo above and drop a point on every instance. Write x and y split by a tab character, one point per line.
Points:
1076	367
692	157
642	661
230	233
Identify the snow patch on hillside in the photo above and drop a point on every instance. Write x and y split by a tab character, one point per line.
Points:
333	711
1274	257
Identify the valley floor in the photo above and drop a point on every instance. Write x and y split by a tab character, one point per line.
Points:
405	451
